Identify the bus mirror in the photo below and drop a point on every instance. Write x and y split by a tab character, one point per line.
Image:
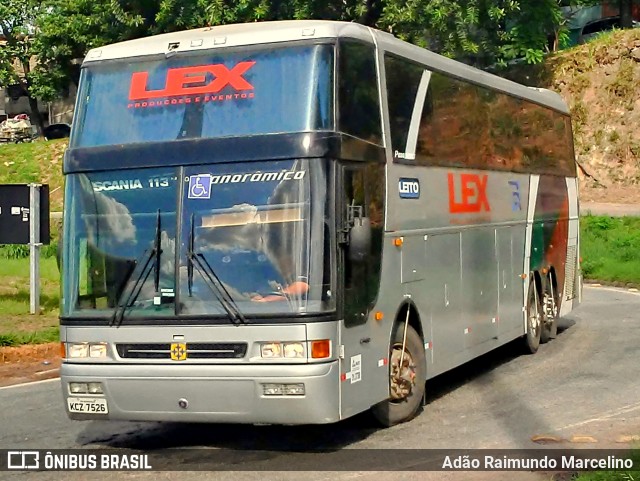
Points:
360	240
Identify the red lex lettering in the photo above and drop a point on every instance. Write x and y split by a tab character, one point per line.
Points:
473	194
192	80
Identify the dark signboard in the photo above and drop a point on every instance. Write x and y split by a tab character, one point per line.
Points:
15	214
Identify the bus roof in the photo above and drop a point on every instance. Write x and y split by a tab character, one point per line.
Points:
232	35
256	33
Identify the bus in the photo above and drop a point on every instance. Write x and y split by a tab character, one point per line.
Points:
294	222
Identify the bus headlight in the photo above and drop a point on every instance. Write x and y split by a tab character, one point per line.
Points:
288	350
76	350
98	349
83	350
293	350
271	350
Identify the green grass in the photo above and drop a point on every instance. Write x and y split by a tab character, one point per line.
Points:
38	161
48	334
41	162
610	248
17	326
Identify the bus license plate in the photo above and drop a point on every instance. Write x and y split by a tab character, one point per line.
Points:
87	406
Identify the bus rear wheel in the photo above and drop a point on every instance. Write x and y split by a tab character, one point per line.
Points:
407	375
551	311
534	320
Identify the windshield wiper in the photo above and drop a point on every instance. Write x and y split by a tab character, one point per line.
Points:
142	269
212	281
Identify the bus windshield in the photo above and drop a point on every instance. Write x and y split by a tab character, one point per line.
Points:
257	233
217	93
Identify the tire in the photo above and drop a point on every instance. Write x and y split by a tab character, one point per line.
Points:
551	312
534	326
397	410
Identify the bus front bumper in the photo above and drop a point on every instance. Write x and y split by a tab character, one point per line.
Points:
205	393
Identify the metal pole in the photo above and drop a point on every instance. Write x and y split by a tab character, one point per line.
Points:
34	247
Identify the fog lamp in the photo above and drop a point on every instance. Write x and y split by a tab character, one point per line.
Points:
78	388
273	389
95	388
294	389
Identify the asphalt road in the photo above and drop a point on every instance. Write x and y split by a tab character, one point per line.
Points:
586	382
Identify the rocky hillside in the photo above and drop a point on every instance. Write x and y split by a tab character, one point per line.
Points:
601	83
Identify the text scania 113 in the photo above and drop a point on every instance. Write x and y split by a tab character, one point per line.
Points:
294	222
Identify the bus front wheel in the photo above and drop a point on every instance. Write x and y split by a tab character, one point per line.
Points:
407	375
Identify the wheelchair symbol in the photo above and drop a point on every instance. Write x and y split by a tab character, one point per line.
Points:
200	186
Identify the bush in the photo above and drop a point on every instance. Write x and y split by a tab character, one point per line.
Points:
14	251
610	248
18	251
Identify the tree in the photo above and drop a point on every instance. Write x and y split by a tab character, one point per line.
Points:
68	29
17	18
482	32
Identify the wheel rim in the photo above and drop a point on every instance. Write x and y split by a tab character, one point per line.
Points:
534	319
403	378
551	307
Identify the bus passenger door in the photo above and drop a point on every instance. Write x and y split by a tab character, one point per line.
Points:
359	203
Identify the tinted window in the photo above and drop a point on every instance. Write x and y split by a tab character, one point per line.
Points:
359	111
403	79
214	94
464	125
364	192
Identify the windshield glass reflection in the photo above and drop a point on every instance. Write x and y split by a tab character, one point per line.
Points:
214	93
115	221
254	239
263	231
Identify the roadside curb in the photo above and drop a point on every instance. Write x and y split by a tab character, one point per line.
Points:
621	285
29	383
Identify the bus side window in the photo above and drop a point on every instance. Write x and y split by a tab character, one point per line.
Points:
358	96
364	189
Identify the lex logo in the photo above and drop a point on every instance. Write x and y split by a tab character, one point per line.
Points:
202	79
468	193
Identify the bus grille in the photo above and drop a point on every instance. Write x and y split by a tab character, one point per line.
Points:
570	272
235	350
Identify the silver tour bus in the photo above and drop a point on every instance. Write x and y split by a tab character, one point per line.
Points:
294	222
